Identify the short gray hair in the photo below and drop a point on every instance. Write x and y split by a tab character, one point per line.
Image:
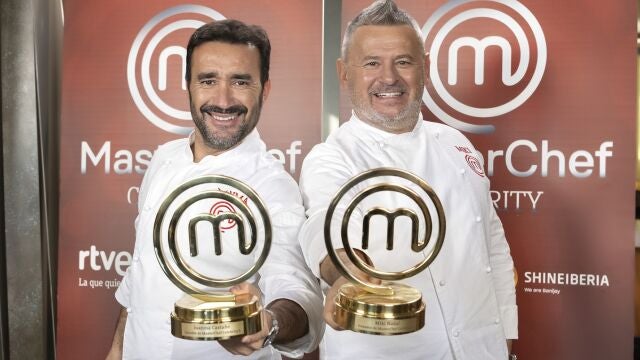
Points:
381	12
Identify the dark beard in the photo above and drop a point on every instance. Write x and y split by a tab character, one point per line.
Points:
211	138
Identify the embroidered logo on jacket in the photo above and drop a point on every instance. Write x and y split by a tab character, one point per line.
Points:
223	206
471	160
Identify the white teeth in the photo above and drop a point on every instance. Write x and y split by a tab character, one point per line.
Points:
392	94
223	117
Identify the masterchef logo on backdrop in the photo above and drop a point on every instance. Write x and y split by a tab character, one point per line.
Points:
157	63
487	57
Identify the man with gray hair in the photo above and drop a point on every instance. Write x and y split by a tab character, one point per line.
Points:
469	289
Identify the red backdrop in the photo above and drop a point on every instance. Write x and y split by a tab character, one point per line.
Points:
561	162
556	132
108	139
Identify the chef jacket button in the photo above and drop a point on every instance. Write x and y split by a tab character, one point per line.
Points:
167	162
456	333
462	171
437	134
497	321
442	283
147	208
136	258
129	310
488	269
478	218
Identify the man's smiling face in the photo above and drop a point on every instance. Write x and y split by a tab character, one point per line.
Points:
384	71
225	94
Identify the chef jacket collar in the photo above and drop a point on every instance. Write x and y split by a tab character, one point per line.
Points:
249	145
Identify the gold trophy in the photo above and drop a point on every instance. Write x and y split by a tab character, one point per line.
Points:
387	308
205	312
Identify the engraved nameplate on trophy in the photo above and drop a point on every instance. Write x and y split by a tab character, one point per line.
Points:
385	307
196	223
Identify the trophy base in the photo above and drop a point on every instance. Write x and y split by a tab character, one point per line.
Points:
361	311
197	319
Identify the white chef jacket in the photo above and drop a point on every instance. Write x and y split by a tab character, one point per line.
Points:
149	296
469	289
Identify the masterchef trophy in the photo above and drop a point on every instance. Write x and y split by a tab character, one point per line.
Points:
387	308
188	222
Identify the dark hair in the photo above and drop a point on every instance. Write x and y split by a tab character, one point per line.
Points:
232	32
381	12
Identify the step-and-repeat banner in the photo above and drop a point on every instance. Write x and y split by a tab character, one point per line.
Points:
123	95
546	92
544	89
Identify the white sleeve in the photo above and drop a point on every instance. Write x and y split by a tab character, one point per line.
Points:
286	276
500	261
322	175
123	292
503	275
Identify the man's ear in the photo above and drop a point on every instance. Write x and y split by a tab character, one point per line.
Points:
427	64
265	90
341	68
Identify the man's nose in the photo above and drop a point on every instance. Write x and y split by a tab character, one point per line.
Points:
223	95
389	74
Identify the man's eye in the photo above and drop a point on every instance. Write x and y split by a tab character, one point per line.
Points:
371	64
207	82
242	83
403	62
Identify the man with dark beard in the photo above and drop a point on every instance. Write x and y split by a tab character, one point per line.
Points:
228	79
469	289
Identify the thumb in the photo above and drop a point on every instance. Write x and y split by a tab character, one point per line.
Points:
245	288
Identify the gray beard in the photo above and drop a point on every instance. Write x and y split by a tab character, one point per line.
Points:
406	118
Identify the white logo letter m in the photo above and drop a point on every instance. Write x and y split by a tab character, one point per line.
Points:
479	47
162	65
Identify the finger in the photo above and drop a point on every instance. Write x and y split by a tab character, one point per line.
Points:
245	288
329	316
231	345
374	281
330	306
364	277
245	350
359	273
236	348
257	338
241	288
256	345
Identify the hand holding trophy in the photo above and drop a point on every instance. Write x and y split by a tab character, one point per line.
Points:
388	308
204	312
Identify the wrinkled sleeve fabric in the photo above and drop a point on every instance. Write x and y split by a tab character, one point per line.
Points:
285	274
500	258
503	276
123	292
324	171
503	270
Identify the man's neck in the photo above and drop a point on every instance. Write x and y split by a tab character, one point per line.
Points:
200	150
